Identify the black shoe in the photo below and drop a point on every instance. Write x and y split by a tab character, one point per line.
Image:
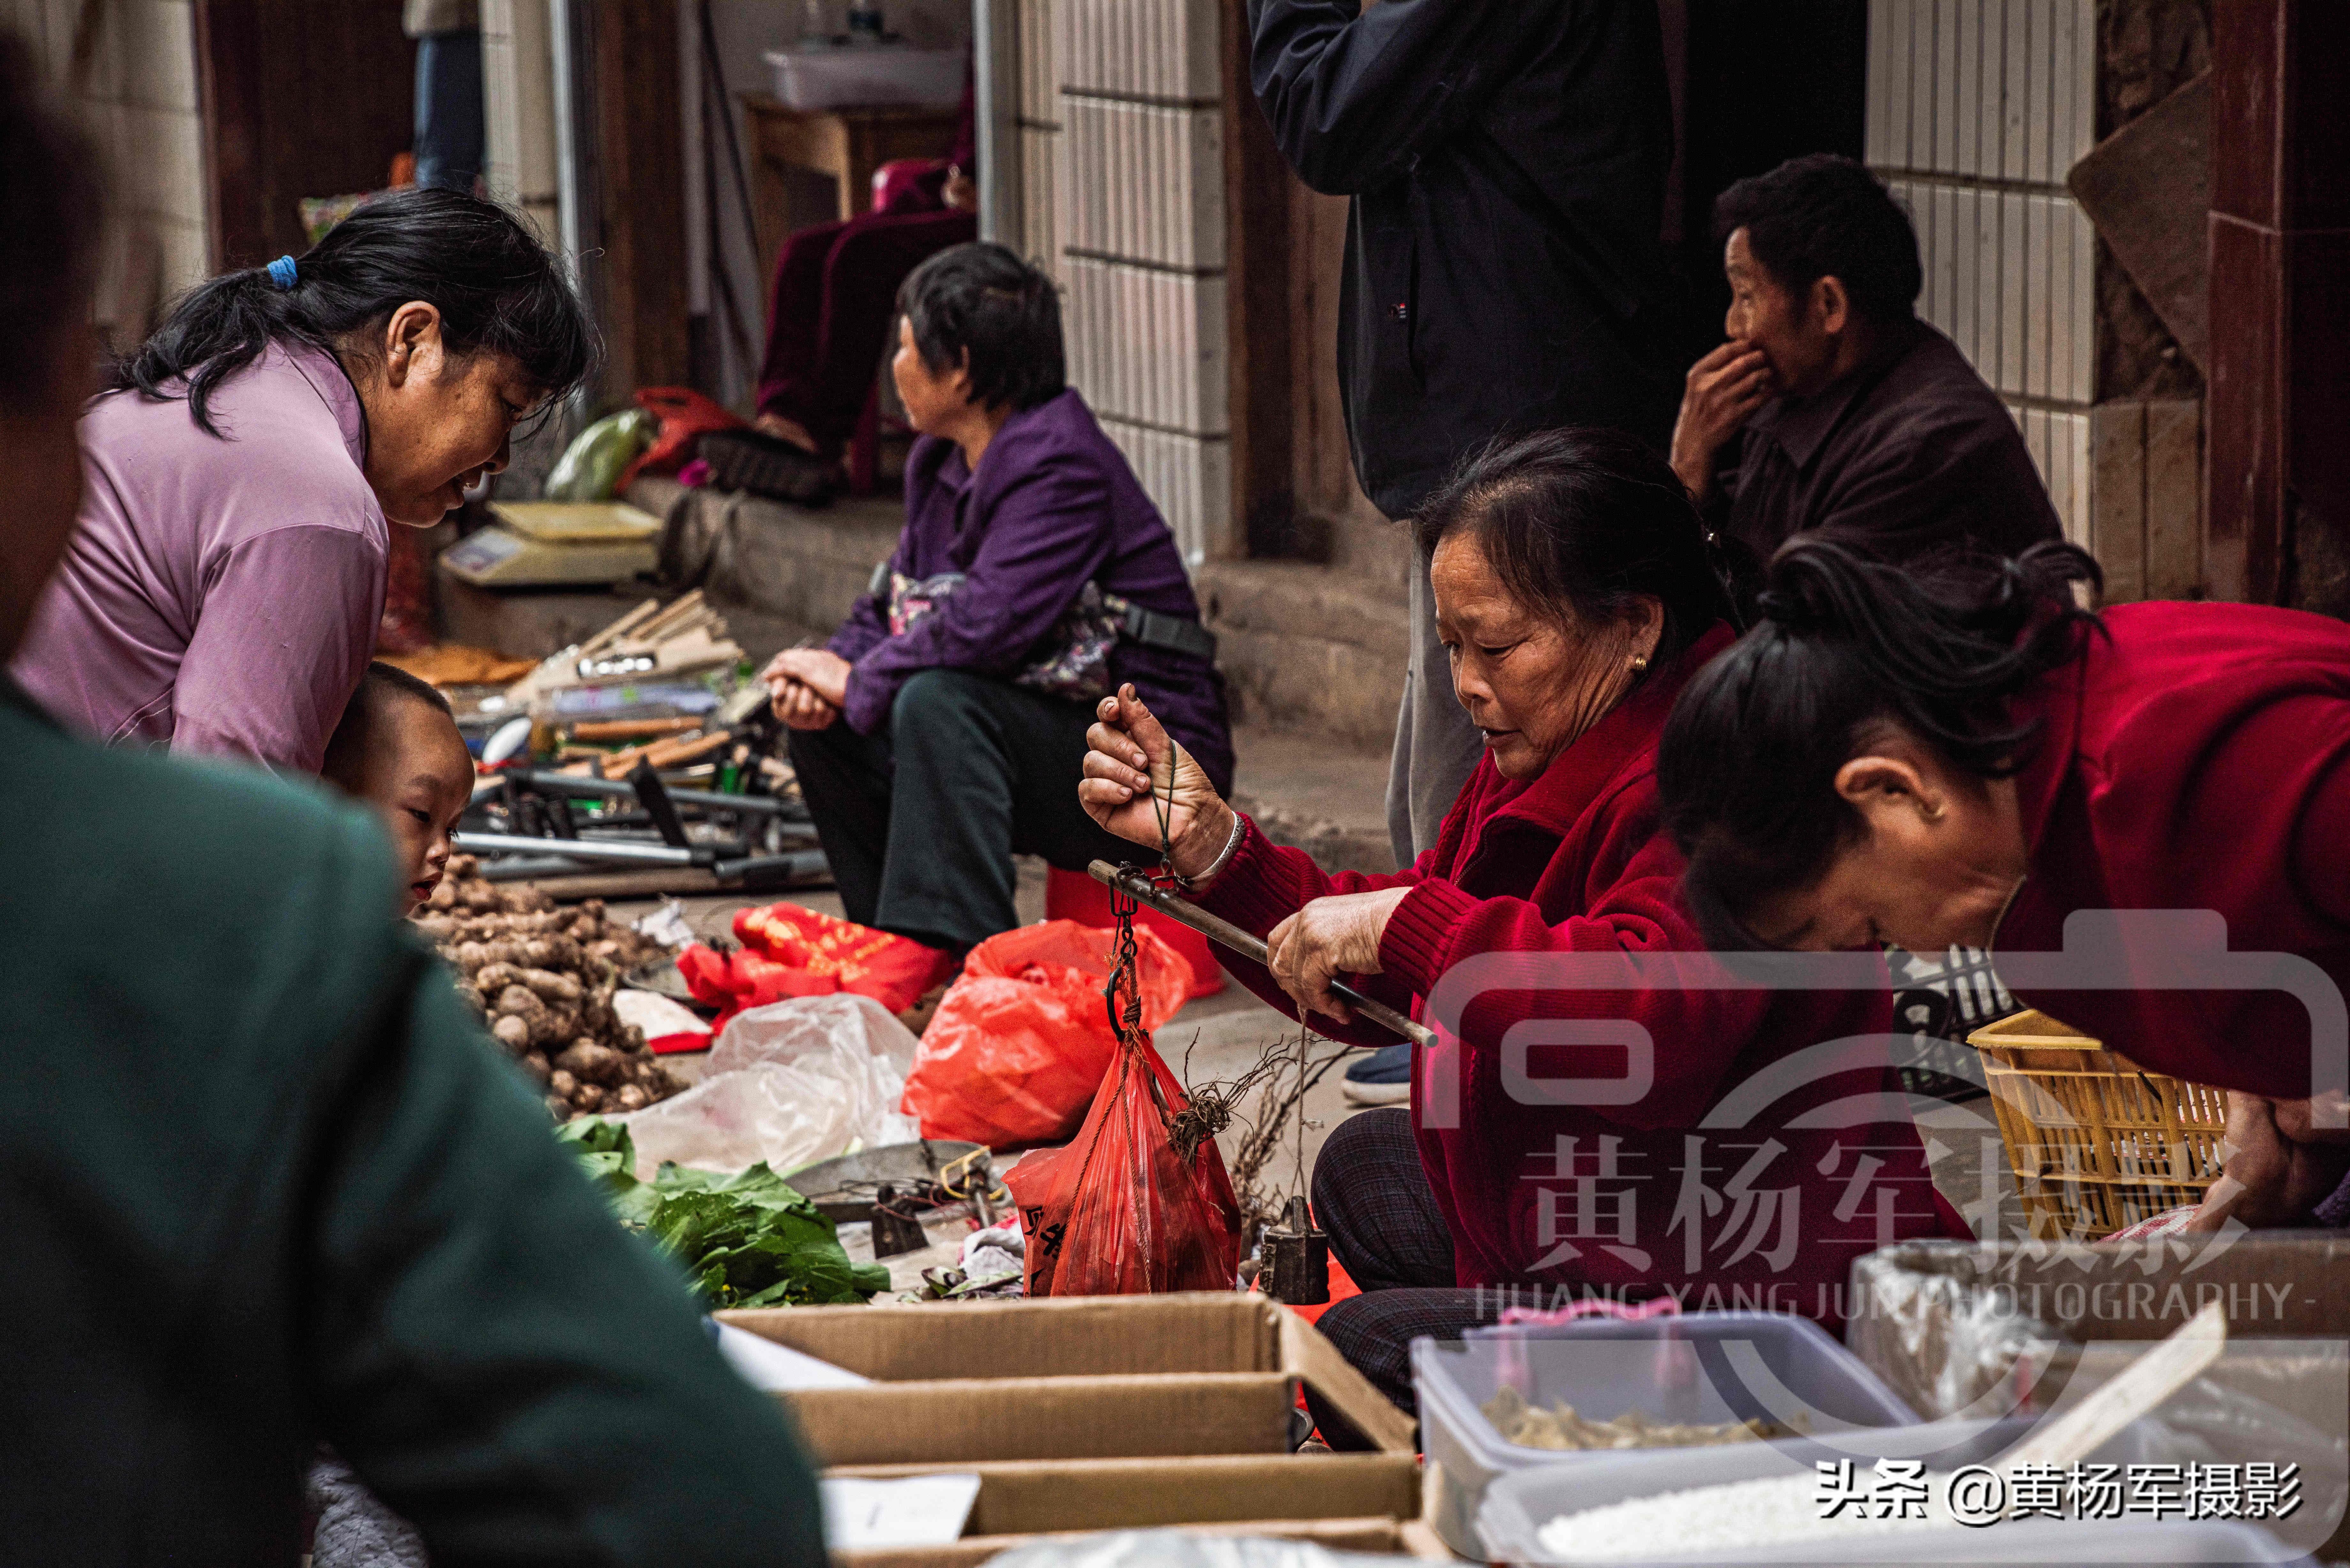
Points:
769	466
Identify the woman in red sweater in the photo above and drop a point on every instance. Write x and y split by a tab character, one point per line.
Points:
1966	756
1729	1144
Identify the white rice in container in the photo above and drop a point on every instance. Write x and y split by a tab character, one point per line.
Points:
1765	1512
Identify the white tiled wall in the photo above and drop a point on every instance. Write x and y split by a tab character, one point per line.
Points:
1038	125
518	110
1120	138
1152	181
1161	50
1147	346
1977	112
138	89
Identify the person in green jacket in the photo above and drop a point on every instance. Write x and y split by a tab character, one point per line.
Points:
262	1183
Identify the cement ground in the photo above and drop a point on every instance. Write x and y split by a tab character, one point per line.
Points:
1221	1036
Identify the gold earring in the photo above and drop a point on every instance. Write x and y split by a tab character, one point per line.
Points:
1639	662
1931	810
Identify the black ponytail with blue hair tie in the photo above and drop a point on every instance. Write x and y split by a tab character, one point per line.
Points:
497	289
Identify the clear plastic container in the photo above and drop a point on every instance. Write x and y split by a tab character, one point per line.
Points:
1704	1368
814	76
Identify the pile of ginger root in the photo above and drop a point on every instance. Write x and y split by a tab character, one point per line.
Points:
542	978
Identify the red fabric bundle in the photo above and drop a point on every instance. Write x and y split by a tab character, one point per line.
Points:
791	951
685	416
1118	1211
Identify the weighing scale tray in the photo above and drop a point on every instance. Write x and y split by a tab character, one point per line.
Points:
556	544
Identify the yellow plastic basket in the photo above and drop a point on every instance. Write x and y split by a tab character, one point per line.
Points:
2095	1141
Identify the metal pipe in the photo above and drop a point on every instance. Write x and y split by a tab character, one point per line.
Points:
1225	933
995	100
574	848
773	870
548	782
531	867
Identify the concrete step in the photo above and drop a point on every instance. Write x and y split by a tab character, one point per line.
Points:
1304	647
804	566
531	623
1314	657
1307	649
1325	798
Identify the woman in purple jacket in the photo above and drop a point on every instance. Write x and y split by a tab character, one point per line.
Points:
938	733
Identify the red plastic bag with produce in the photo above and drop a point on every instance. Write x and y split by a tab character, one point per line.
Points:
1022	1040
1139	1203
788	950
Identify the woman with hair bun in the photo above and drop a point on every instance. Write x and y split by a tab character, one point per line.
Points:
1659	1134
1962	754
224	584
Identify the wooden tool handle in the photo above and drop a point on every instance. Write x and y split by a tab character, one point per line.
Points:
1225	934
631	729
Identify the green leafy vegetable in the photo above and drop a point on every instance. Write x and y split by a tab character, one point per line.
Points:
747	1240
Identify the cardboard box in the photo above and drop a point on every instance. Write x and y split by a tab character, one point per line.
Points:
1947	1323
2276	1284
1086	1414
1943	1321
1372	1537
1069	1377
1353	1503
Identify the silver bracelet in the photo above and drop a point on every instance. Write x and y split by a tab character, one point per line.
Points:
1223	859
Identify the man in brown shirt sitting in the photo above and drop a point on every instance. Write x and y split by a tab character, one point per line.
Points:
1844	411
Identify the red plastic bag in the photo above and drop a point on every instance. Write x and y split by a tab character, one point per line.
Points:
1021	1039
1119	1211
791	951
685	416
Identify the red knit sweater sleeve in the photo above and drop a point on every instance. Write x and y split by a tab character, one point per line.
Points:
1265	884
1631	904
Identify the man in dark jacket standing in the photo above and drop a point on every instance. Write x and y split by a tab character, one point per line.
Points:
1504	271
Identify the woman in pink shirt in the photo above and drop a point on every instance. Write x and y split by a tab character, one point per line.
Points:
224	583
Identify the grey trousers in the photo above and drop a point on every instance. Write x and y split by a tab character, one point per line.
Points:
1436	746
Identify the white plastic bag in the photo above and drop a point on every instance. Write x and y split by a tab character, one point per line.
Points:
790	1084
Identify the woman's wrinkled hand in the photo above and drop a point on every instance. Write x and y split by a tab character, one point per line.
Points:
801	708
821	670
2279	1167
1328	938
1134	773
807	687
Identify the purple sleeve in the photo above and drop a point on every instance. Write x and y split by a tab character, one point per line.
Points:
869	622
286	629
1049	533
864	627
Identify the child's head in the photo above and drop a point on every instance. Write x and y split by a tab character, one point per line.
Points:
398	749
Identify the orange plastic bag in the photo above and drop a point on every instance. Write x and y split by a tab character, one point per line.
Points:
1021	1039
791	951
1119	1211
